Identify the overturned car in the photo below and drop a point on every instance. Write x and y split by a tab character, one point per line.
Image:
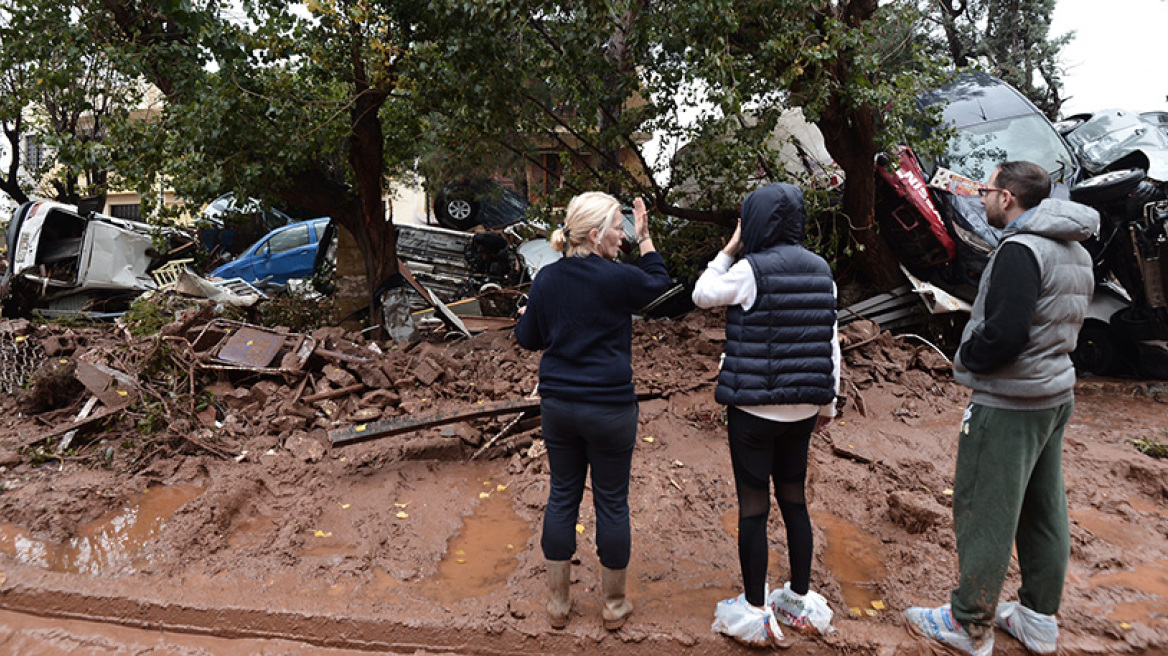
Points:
62	261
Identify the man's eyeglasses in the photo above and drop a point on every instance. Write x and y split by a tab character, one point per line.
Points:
986	191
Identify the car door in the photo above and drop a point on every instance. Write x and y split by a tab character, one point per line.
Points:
286	254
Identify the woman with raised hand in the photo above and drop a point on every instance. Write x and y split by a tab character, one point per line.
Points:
579	313
779	380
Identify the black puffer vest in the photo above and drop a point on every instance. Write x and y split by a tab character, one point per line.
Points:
780	351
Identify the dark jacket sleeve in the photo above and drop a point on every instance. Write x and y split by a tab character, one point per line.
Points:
1009	310
651	279
528	330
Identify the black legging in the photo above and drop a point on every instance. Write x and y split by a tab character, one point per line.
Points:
762	450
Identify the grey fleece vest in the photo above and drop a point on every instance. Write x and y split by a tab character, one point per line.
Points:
780	351
1043	375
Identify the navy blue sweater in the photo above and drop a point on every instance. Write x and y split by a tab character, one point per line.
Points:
579	313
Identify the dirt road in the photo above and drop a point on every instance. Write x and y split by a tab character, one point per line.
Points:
406	544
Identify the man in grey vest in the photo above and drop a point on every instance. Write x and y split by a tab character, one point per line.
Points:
1015	356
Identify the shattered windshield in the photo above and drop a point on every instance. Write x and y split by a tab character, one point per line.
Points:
977	149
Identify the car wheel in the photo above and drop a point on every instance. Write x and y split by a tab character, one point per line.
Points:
1109	186
456	209
1130	324
1096	350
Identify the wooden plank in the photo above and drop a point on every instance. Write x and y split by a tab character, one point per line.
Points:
332	394
875	301
398	425
448	317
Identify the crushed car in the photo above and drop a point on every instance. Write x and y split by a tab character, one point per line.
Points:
286	253
63	261
932	218
1128	157
466	202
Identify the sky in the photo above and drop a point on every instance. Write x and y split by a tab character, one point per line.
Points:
1117	58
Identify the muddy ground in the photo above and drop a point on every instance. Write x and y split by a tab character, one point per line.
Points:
236	527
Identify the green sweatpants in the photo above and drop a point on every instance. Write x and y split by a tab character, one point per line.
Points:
1009	489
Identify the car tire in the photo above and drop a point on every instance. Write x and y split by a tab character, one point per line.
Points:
1132	325
1109	186
1096	351
456	208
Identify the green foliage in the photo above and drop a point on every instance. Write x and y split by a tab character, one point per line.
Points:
1011	40
147	315
1151	446
62	89
299	311
151	417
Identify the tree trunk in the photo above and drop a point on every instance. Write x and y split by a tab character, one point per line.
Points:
376	235
850	137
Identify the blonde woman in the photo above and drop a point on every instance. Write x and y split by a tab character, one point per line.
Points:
579	313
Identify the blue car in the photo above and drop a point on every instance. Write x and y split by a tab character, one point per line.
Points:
283	254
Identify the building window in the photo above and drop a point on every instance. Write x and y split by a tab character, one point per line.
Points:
34	152
131	212
550	171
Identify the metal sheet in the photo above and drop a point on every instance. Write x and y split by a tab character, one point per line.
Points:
251	347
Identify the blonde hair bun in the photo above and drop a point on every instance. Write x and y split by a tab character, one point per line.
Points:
557	240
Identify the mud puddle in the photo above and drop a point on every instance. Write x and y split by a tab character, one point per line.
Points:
854	559
484	553
106	546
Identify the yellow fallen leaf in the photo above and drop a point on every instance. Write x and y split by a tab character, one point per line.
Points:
345	506
509	547
401	505
947	492
484	495
486	482
359	429
481	402
579	528
500	487
460	552
856	611
878	605
869	612
19	338
322	534
648	438
402	514
461	561
64	361
1124	625
250	342
424	400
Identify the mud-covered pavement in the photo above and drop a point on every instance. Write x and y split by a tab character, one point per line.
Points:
408	544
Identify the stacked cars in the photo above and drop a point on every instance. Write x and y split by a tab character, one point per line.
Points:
1113	161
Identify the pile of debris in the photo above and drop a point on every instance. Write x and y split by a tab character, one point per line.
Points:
240	390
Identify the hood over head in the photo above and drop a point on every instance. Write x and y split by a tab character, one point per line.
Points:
1058	219
772	215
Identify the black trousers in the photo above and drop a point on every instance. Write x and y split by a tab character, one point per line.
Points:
580	437
762	450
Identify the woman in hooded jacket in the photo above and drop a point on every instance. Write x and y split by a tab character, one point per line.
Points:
779	380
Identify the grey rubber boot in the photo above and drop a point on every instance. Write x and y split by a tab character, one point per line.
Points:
616	608
559	575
